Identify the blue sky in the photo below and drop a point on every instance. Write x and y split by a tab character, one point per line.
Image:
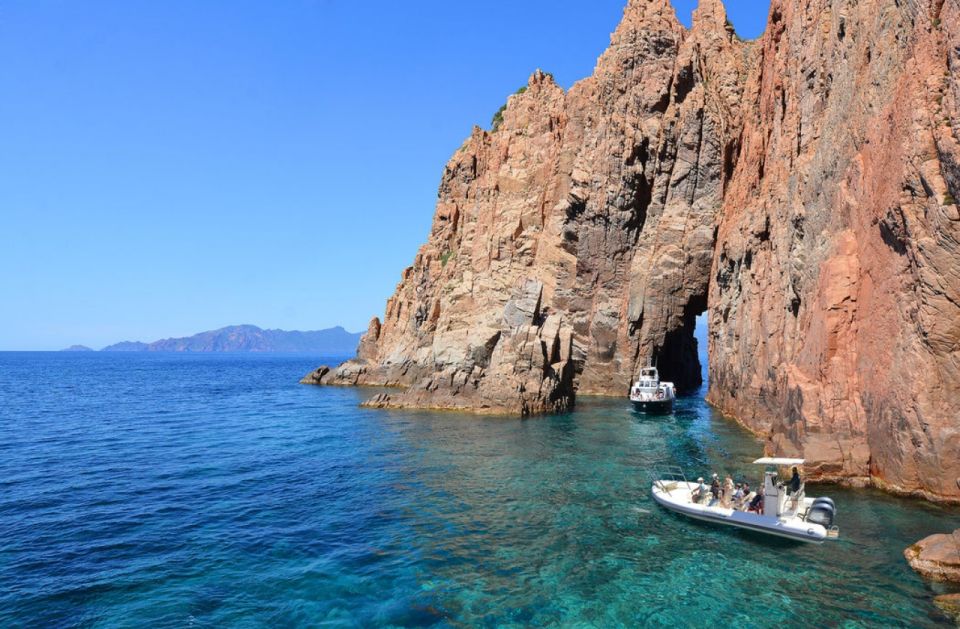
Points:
171	167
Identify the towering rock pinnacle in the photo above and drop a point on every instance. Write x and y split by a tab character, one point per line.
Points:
801	189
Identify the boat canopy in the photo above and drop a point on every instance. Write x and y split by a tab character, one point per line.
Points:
772	460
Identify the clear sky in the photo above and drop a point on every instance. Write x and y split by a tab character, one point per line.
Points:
177	166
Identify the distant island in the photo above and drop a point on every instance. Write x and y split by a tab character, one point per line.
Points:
247	338
77	348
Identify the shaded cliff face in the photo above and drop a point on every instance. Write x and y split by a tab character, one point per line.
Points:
835	294
800	188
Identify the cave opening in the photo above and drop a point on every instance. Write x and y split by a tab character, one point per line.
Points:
683	357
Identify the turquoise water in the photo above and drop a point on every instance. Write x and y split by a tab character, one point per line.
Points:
213	491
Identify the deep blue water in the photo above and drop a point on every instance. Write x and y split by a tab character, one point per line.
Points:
214	491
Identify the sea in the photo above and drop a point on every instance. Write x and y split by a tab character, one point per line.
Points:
213	490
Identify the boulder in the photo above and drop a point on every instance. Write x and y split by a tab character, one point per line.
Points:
936	557
316	376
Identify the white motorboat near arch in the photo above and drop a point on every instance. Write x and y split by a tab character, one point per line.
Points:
650	395
791	516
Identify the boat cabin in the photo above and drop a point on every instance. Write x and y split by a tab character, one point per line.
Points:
649	379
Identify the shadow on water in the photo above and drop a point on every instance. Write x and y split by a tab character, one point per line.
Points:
771	542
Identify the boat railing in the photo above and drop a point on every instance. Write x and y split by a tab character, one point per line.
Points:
666	478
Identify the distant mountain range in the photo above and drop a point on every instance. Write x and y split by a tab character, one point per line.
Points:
247	338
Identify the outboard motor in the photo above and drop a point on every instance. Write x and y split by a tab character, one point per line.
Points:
825	500
822	512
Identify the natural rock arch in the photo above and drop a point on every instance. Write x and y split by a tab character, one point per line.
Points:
802	185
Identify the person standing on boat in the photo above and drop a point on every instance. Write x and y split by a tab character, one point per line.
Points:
795	482
715	488
727	494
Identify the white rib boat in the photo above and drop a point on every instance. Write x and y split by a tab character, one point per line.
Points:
792	516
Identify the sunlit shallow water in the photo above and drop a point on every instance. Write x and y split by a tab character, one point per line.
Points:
212	491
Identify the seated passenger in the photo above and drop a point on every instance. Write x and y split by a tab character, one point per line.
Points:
738	497
700	492
756	505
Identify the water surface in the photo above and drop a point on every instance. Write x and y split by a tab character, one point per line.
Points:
212	491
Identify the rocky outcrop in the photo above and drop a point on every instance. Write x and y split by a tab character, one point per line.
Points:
572	244
801	189
936	557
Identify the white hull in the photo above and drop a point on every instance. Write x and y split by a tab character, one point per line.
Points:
650	395
675	495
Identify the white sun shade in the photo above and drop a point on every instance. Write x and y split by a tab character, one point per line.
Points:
772	460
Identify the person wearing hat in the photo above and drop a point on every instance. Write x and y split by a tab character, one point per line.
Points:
700	492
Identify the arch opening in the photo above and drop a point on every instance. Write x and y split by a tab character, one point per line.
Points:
682	359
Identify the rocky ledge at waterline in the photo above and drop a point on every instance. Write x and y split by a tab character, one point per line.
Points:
800	189
937	558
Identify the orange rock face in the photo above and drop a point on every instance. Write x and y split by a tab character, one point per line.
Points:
800	188
835	300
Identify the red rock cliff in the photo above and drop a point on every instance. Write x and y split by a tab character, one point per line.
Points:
800	187
835	292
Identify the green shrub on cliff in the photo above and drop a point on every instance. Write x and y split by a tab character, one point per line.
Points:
948	199
498	118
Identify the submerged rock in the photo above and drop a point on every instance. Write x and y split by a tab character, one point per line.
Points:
936	557
949	604
316	376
